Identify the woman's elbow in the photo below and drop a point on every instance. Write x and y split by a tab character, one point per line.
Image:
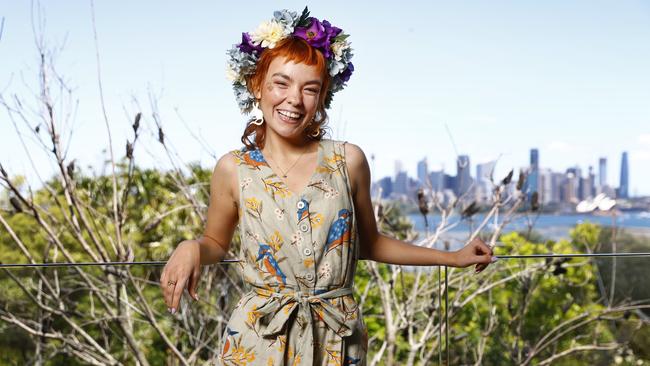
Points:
366	246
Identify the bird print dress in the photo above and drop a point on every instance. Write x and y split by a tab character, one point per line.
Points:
299	252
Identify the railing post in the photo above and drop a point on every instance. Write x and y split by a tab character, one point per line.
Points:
447	314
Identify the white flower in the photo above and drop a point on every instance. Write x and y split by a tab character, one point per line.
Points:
336	67
331	193
279	213
246	182
268	34
338	48
231	74
325	271
296	238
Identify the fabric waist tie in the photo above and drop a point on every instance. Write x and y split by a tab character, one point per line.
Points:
279	307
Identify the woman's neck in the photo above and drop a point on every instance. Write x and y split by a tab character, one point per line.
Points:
285	149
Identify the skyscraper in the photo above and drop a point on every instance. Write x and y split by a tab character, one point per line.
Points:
483	171
587	185
423	172
463	178
623	188
401	183
545	186
386	185
437	179
399	167
532	181
483	187
602	172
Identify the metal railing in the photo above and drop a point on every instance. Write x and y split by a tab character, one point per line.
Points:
443	280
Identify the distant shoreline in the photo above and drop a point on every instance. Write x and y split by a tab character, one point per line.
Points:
551	226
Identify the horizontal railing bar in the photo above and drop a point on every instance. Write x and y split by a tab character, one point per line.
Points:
150	263
229	261
572	255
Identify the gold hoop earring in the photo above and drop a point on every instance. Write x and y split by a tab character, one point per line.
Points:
316	132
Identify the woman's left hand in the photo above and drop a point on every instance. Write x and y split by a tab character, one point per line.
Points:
476	252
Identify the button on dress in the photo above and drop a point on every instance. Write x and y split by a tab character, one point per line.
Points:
299	252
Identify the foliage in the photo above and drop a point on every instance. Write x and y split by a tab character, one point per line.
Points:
498	316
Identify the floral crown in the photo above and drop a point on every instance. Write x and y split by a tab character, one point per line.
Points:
330	40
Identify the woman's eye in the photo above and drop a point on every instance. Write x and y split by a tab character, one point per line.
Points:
313	91
281	83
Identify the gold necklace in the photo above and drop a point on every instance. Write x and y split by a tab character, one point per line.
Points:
284	173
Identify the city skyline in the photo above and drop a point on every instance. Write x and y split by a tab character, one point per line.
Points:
601	166
569	185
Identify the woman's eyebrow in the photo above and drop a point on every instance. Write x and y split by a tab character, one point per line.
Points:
288	78
284	76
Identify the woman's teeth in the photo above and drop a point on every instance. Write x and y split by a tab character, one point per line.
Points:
291	115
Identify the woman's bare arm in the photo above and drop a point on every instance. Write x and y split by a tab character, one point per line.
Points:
222	211
183	268
381	248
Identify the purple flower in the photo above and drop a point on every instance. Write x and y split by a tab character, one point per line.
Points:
345	75
331	30
247	46
318	35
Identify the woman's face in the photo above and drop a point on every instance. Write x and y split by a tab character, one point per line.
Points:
289	97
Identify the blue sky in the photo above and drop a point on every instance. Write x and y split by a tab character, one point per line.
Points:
569	78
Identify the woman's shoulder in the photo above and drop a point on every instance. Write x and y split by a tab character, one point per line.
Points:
238	156
228	162
353	155
343	144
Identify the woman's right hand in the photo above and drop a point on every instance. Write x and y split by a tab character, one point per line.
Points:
182	269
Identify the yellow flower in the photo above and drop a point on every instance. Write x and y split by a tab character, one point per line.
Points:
316	220
268	34
275	187
275	241
254	206
253	315
252	203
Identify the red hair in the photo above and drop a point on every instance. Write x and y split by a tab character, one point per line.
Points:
297	50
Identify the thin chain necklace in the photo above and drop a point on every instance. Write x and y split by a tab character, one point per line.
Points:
284	173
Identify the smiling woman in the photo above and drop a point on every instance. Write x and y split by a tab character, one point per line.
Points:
303	230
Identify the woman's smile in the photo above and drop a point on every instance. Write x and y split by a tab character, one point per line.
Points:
289	116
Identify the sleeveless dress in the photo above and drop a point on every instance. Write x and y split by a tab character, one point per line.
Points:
299	252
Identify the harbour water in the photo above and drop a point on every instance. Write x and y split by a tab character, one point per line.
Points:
550	226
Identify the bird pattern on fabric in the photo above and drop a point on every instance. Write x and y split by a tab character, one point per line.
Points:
303	212
300	309
265	255
339	231
255	159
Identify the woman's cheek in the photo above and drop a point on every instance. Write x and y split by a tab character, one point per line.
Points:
277	93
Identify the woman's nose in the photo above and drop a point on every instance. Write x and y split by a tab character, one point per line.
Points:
294	97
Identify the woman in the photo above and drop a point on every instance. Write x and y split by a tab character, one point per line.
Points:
302	203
